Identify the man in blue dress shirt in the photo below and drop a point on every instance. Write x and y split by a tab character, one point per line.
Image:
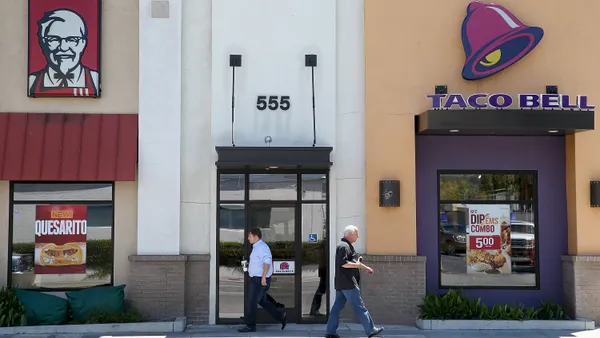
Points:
260	269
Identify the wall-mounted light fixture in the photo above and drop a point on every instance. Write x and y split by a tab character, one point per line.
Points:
551	89
389	193
235	61
441	89
594	194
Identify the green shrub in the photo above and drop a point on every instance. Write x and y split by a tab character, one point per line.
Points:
99	256
12	311
453	305
130	315
231	253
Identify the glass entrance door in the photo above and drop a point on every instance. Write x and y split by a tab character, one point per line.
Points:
278	226
292	211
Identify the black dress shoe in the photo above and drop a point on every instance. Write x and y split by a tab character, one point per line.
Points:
376	332
284	321
332	336
246	329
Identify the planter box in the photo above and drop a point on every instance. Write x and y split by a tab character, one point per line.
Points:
580	324
146	327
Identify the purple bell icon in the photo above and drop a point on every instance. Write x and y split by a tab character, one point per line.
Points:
494	39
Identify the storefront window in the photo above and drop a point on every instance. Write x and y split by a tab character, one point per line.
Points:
488	229
61	235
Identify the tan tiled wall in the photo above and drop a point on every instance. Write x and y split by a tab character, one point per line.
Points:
167	287
393	292
581	286
197	284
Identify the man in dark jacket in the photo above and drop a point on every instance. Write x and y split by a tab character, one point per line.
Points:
322	288
347	281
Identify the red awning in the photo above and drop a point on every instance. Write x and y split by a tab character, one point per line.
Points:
68	147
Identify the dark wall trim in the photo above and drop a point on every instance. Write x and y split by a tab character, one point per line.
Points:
503	122
273	157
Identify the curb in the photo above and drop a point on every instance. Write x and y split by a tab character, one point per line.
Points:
178	325
580	324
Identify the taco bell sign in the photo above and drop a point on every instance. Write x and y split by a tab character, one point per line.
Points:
503	101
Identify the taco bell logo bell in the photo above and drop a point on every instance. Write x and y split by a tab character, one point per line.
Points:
494	39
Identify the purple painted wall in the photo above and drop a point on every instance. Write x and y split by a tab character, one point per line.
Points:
544	154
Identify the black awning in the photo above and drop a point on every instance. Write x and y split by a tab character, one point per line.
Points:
503	122
273	157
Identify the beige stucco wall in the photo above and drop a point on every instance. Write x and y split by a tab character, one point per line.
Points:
119	62
4	211
125	228
413	45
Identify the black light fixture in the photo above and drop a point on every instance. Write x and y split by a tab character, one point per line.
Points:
235	60
594	194
441	89
551	89
310	60
389	193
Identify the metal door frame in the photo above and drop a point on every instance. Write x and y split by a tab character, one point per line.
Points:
297	204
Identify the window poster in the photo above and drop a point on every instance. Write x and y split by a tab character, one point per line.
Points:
60	239
64	48
488	239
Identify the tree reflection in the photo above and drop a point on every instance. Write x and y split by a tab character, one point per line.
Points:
457	187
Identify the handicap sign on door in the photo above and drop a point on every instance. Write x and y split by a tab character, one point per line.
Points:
313	238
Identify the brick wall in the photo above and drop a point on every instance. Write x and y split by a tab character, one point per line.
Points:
393	292
156	286
581	286
197	284
166	287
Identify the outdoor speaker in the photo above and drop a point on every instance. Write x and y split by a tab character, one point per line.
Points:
389	193
595	194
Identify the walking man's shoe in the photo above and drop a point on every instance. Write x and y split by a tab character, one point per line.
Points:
284	321
332	336
246	329
376	332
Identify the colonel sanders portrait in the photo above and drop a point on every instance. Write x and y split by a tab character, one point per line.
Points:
62	35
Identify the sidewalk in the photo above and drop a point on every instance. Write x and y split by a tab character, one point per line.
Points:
345	330
355	330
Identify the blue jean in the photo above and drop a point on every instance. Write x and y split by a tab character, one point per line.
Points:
360	311
257	295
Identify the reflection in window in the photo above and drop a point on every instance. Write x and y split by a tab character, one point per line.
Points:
487	244
231	187
314	187
231	216
58	245
273	187
62	192
514	187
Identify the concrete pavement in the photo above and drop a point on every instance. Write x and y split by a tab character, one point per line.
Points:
345	330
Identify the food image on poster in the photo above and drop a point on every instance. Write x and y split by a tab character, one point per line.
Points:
488	239
60	239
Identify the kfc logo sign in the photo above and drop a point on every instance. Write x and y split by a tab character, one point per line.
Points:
64	48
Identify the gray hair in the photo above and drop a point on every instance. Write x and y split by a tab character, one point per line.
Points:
349	230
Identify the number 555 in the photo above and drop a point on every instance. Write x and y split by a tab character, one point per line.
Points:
274	102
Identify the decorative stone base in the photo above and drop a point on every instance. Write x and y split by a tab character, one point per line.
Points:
166	287
197	289
393	292
581	286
